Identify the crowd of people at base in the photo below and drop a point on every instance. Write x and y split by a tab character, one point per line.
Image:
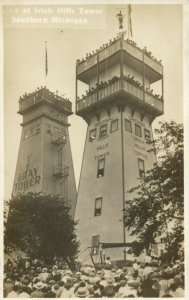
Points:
26	278
112	41
131	79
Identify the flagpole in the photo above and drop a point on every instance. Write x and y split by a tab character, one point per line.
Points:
46	63
128	21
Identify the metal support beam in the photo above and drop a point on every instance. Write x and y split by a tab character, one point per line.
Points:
123	178
76	90
97	66
121	63
143	76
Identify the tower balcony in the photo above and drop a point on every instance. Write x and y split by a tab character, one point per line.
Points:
61	171
41	96
132	54
58	139
124	91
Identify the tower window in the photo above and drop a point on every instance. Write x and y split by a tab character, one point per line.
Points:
48	128
101	165
55	130
98	207
63	117
26	134
103	130
28	161
92	135
37	129
32	130
95	244
141	168
128	125
114	125
138	130
147	134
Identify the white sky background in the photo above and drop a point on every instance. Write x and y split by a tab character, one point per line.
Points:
159	27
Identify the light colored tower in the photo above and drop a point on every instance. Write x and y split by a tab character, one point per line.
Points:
119	108
44	161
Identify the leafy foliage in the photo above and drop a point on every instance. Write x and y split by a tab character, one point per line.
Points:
157	204
41	226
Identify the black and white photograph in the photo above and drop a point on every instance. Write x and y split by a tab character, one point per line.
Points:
93	109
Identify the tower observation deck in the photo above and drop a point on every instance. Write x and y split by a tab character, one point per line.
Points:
120	71
43	96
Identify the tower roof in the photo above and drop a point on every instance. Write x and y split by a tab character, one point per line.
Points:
86	65
120	56
43	95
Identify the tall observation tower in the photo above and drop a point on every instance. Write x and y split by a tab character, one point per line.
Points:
119	108
44	161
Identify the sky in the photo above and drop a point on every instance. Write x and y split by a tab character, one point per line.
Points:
159	27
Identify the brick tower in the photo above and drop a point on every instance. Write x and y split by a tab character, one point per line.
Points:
44	161
119	107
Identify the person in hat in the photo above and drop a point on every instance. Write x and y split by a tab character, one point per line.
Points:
90	292
97	291
43	275
179	292
78	274
14	292
107	288
141	271
116	283
55	289
27	264
24	292
156	286
164	283
68	275
123	287
38	292
67	289
147	270
108	261
147	289
61	288
130	294
57	277
135	265
8	286
81	292
107	271
48	293
109	291
54	269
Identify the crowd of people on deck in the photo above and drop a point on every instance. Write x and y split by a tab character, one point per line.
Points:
104	46
111	42
25	278
131	79
34	93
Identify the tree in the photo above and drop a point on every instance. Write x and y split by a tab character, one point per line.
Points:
157	204
41	226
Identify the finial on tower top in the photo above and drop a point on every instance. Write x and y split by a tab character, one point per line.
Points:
120	18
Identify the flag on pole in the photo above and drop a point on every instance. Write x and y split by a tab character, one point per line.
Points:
130	22
46	60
